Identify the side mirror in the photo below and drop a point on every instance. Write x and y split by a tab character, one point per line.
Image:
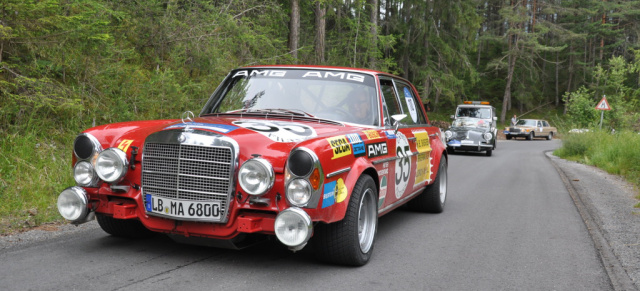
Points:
495	118
396	121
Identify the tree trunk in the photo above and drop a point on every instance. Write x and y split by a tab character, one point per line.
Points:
374	33
557	79
507	90
321	12
294	28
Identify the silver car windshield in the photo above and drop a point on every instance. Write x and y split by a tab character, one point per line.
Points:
328	94
470	122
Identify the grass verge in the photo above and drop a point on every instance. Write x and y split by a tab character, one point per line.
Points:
618	153
33	171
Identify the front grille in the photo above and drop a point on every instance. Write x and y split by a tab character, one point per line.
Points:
188	172
514	129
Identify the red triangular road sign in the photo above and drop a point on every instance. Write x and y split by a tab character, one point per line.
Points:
603	104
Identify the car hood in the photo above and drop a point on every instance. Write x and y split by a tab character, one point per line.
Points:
466	129
271	138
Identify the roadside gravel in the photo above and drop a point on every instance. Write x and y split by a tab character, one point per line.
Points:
606	203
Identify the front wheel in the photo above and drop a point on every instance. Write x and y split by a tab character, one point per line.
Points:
530	136
433	198
350	241
489	152
550	136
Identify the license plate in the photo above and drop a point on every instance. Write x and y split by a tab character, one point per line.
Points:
183	209
467	142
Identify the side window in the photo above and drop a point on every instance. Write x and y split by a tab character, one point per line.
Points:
410	105
390	100
545	123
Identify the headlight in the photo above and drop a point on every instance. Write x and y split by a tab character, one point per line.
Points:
448	134
85	146
256	176
293	227
300	163
84	174
299	192
72	204
487	135
111	165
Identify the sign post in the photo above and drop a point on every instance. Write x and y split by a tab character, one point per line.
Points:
602	106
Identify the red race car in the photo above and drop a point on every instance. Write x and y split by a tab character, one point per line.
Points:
304	153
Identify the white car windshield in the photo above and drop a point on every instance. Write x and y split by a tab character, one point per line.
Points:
328	94
470	122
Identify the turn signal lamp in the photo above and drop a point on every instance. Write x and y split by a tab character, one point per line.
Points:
314	179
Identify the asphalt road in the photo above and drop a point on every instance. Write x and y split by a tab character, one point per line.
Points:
510	223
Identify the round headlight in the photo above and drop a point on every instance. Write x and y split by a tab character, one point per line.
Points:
300	163
293	227
72	204
111	165
85	146
448	134
487	135
299	192
256	176
84	174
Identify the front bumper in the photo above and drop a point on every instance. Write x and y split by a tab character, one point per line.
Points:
467	145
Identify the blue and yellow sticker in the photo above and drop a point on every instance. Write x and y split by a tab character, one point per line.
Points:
357	144
334	192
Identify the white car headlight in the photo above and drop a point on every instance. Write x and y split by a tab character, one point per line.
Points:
256	176
299	192
487	135
293	227
111	165
448	134
72	204
84	174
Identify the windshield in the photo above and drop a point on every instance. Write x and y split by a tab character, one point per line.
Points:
469	122
526	122
477	112
329	94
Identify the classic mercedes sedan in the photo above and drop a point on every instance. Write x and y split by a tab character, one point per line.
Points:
530	129
302	153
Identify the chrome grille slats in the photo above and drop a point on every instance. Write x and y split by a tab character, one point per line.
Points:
200	167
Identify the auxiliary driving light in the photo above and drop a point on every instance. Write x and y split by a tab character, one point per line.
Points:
293	228
72	204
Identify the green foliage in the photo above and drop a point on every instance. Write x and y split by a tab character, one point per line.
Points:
581	112
615	153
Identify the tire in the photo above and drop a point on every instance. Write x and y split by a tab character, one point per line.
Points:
550	136
451	150
489	152
433	198
508	136
530	136
129	228
351	240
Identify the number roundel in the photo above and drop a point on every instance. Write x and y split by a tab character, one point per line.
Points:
403	164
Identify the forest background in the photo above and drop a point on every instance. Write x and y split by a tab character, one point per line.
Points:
66	65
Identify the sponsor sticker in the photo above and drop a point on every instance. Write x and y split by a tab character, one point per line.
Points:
357	144
341	191
340	145
390	134
383	191
371	134
410	104
328	194
377	149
